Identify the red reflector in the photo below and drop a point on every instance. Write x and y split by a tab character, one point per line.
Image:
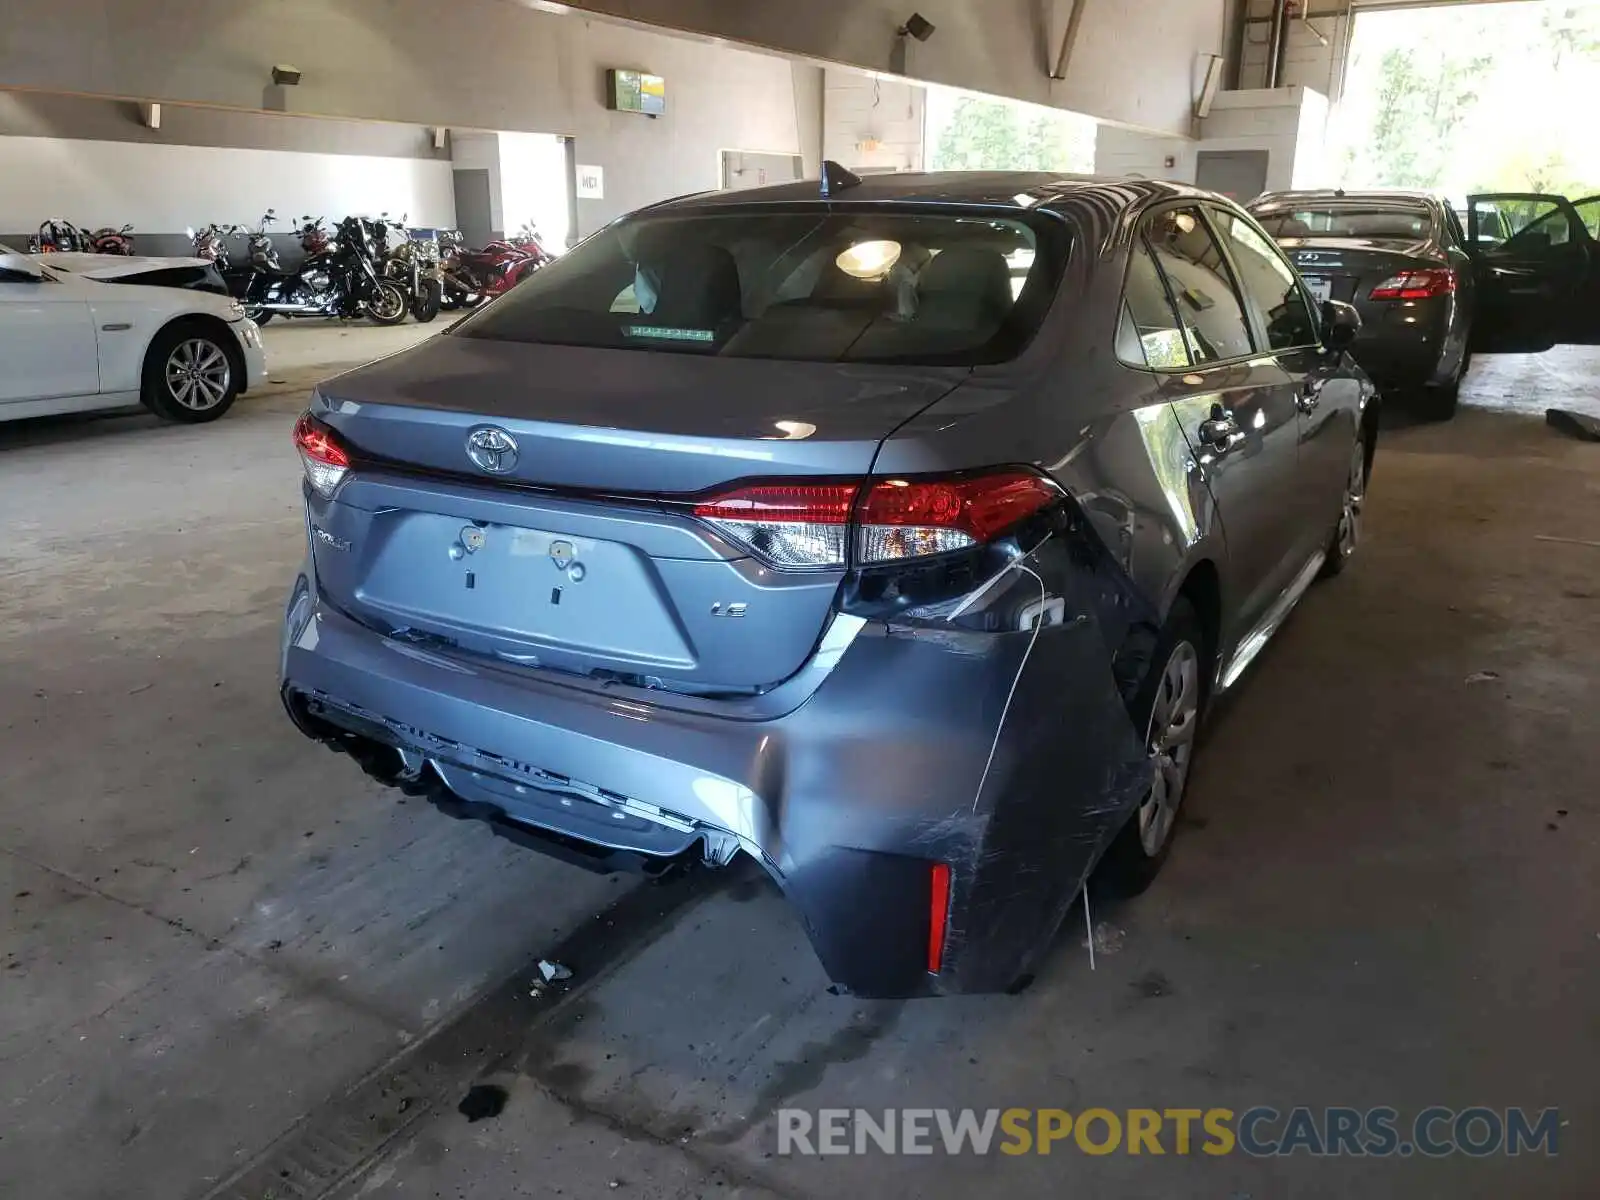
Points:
938	914
813	504
980	507
317	441
1416	285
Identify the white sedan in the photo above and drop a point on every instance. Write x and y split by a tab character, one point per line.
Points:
86	331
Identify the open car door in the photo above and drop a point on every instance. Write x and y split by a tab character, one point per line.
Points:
1538	271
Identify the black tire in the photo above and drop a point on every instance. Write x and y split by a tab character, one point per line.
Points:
393	313
425	306
259	315
196	354
1437	403
1134	858
1346	536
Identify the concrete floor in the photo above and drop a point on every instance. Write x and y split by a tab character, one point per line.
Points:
224	952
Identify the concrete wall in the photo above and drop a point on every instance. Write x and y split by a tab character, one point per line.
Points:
477	64
1129	154
1289	123
871	123
1004	47
1318	45
495	64
534	186
96	163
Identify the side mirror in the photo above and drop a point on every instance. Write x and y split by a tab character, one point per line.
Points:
1340	324
20	268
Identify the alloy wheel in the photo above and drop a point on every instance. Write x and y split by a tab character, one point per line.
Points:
389	304
1355	490
1174	719
198	374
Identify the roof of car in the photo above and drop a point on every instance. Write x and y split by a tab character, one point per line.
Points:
1019	190
1368	196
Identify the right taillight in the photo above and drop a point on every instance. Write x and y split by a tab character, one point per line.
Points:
808	525
788	524
1416	285
911	518
324	459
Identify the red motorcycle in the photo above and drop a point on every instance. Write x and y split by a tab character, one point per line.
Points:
469	277
112	241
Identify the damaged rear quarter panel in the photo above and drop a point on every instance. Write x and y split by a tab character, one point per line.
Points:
1066	765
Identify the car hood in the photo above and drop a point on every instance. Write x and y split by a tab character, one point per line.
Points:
114	266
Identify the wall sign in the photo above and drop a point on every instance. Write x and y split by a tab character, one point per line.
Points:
636	92
591	183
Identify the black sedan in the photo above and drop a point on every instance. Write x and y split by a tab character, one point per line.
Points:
1524	276
1401	259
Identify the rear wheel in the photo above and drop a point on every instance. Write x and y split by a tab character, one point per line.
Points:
259	315
189	375
1347	532
1170	703
1438	403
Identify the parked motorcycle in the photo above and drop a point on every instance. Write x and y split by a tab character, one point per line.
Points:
412	260
56	236
211	243
107	240
470	277
245	279
338	278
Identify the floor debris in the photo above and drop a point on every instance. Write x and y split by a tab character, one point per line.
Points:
482	1102
1573	424
1483	676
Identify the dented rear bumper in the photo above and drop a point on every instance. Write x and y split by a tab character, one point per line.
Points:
1005	753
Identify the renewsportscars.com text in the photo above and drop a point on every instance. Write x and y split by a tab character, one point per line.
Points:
1261	1132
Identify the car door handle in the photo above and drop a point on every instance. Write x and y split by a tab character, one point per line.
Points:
1308	397
1220	431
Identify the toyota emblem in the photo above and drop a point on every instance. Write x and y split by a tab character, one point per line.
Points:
492	449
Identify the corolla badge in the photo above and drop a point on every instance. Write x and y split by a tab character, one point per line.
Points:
492	449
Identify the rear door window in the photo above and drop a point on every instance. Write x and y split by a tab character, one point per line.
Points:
1269	284
873	285
1202	286
1148	331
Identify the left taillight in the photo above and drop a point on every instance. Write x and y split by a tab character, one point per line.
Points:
324	459
799	525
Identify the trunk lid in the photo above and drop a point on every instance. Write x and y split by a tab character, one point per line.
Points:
1352	267
582	555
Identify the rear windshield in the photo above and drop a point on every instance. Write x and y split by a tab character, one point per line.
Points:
1349	220
893	286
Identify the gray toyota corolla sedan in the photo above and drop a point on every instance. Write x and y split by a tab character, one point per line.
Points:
894	532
